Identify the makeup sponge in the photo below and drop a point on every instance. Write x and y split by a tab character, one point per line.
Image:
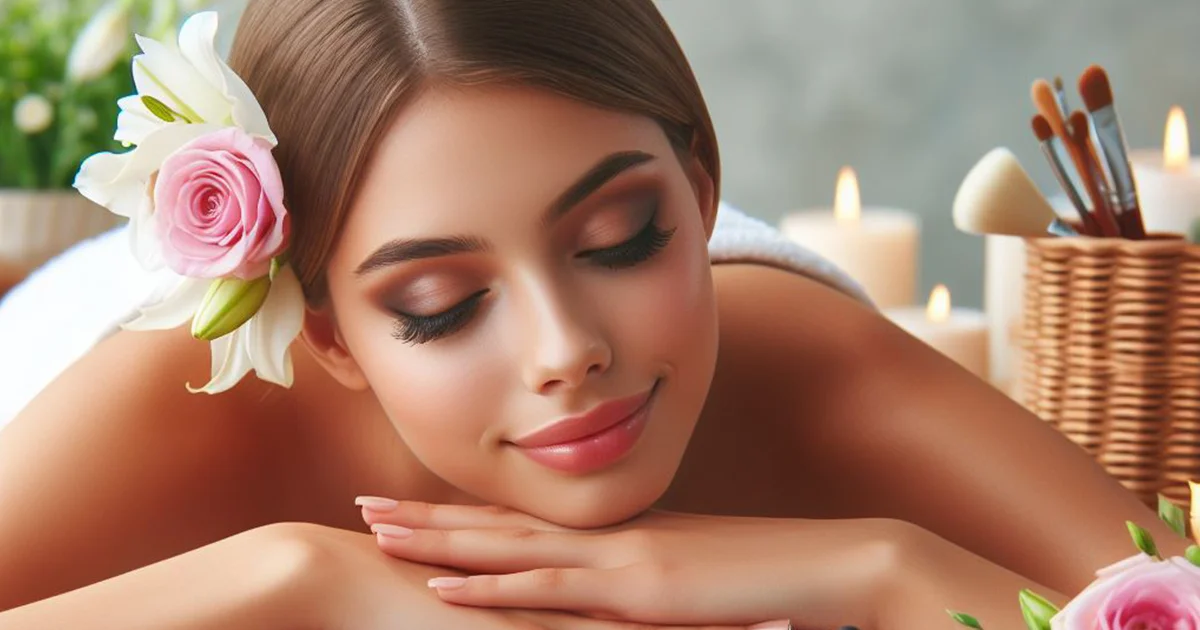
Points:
998	197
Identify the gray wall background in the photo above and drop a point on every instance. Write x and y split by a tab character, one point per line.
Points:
912	92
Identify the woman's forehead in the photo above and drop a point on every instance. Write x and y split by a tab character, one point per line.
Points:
488	148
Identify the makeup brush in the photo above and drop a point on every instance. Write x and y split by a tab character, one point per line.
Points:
1052	148
1080	139
1060	96
1047	105
998	197
1098	99
1058	227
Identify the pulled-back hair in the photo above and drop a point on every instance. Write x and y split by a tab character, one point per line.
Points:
332	74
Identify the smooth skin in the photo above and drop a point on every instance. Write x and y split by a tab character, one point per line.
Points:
136	478
951	494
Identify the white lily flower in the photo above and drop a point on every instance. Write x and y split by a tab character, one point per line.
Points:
100	43
186	92
193	81
263	344
121	183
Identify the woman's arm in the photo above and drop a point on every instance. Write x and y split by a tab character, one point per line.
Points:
257	580
116	466
673	568
892	428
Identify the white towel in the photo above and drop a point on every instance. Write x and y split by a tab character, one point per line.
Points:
55	316
739	237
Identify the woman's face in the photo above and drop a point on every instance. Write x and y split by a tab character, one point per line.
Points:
524	283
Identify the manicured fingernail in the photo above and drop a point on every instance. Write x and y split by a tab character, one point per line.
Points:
391	531
782	624
376	504
447	582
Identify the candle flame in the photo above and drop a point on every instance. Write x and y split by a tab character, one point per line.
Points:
1176	152
938	309
846	203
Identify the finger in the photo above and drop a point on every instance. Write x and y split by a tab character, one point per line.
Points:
611	595
421	515
488	550
549	588
564	621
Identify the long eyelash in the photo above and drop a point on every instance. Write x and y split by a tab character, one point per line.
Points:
418	329
642	247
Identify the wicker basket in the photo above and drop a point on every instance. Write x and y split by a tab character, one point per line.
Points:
1111	337
35	226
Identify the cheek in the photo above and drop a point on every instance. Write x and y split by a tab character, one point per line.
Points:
670	317
435	394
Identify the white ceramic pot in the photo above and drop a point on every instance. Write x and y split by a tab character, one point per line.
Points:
36	226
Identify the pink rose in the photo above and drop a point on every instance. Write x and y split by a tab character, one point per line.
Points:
1137	593
218	207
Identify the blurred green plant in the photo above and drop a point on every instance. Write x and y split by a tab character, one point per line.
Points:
67	63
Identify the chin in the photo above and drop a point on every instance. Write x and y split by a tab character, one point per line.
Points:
602	504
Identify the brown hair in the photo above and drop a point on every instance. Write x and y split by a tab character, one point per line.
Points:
331	75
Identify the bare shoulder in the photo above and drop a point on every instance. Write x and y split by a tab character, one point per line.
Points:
790	347
116	465
777	324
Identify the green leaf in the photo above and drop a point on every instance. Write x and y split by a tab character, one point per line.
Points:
1036	610
1143	540
160	109
1193	555
1172	515
964	619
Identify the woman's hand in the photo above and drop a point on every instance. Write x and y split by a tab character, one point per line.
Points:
661	568
354	587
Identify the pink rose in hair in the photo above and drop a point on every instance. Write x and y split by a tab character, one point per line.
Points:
1137	593
218	207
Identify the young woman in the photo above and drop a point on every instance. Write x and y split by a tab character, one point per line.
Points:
500	214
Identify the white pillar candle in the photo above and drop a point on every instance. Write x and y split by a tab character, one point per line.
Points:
875	246
960	334
1168	181
1003	299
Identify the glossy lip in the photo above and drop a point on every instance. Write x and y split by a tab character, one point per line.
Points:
601	418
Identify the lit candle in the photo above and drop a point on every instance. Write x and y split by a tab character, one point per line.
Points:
958	333
875	246
1168	182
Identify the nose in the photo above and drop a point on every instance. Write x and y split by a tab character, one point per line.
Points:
566	348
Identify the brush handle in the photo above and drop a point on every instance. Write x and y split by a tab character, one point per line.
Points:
1116	154
1058	227
1080	147
1051	148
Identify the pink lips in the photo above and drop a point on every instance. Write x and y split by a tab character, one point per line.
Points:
595	440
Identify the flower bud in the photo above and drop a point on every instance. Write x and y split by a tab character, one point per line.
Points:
1142	539
33	114
229	303
1036	610
100	43
1172	515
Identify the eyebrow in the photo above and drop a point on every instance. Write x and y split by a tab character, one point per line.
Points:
404	250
